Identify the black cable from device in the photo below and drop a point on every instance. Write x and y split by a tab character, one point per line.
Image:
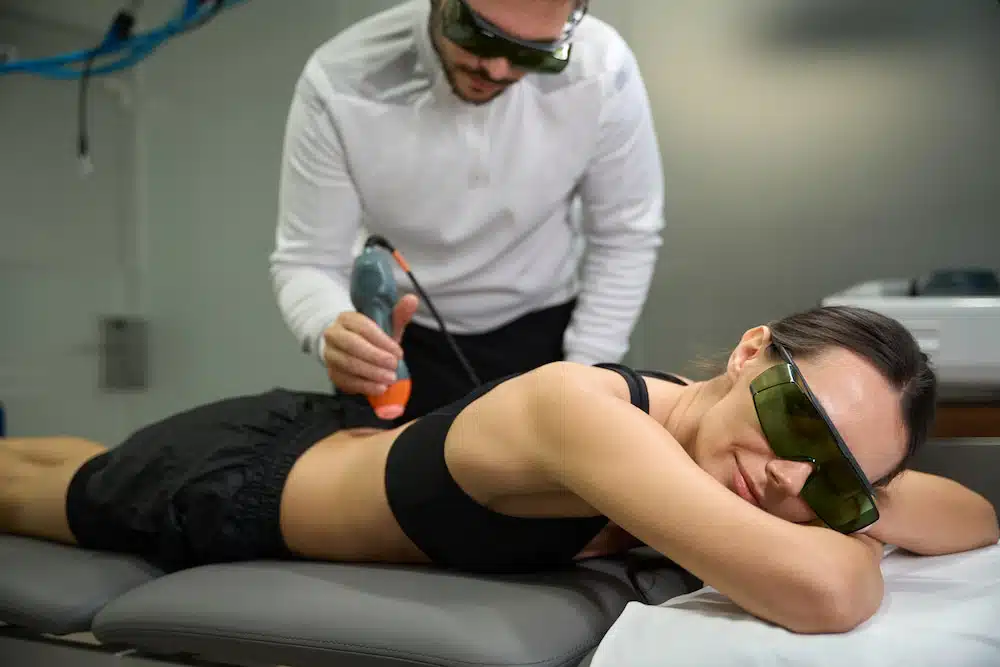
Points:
83	139
382	242
120	30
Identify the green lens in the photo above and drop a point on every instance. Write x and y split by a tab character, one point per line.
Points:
536	60
795	429
844	511
458	26
518	56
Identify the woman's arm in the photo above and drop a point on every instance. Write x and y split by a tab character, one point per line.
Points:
629	468
931	515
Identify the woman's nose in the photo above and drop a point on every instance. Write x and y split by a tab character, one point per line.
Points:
789	476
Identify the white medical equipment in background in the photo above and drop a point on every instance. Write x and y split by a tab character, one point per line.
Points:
955	317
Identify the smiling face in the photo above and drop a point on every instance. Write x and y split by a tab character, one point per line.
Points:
480	80
859	401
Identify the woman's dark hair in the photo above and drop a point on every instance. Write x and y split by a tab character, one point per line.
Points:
882	341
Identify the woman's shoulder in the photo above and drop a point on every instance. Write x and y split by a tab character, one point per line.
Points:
623	381
618	380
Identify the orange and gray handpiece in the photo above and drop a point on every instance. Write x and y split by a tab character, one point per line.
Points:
373	293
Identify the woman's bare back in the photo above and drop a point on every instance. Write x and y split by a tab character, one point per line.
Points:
334	505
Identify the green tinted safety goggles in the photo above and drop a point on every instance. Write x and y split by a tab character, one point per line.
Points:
798	429
470	31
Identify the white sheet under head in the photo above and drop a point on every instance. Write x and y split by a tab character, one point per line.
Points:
937	611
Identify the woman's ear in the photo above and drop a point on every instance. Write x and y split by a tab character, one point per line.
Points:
752	346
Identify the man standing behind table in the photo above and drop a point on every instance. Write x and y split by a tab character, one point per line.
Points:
462	131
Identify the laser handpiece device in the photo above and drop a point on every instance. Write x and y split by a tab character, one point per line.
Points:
374	294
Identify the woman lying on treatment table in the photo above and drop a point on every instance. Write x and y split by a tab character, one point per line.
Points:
740	479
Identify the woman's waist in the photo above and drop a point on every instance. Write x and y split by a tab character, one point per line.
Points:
334	507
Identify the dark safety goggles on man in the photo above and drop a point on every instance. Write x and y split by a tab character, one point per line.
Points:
798	429
470	31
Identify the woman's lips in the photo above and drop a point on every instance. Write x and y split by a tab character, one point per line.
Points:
743	487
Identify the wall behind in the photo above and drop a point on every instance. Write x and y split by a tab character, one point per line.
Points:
203	166
214	116
66	241
808	146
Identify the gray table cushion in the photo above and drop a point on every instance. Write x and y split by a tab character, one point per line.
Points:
54	589
359	615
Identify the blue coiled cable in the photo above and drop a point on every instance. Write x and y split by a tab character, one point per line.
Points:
130	49
120	43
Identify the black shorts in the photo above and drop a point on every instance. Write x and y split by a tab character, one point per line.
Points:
204	486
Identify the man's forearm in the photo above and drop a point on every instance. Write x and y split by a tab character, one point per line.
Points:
615	284
318	217
310	299
622	197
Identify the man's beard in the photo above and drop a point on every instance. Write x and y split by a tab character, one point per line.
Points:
449	71
481	73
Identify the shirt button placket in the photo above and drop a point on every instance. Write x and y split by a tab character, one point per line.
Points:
478	144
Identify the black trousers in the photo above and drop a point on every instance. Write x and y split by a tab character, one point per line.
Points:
519	346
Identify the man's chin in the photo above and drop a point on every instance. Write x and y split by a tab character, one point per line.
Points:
474	95
479	98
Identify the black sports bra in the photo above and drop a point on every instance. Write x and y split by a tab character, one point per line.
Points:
452	529
638	393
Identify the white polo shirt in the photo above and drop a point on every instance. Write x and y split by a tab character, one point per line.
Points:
478	198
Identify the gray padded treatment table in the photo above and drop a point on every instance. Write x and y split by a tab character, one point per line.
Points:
57	589
320	614
303	614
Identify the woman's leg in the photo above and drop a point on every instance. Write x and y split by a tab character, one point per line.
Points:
34	476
